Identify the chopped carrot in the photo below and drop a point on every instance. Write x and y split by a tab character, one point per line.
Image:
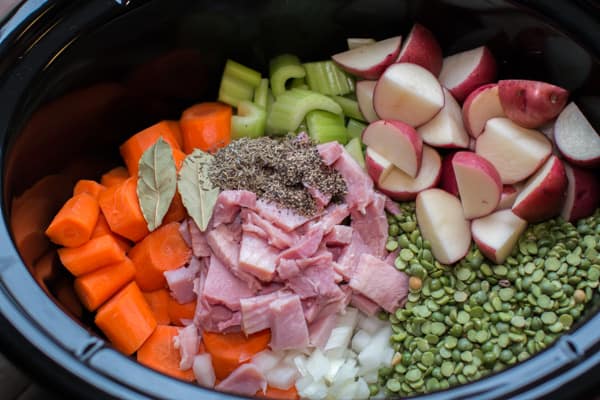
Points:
73	224
206	126
88	186
176	131
160	354
134	147
126	319
279	394
96	253
158	300
229	350
64	293
176	211
114	177
94	288
102	228
121	208
180	314
46	269
178	156
162	250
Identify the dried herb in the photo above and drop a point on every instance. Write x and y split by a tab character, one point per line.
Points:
198	193
156	184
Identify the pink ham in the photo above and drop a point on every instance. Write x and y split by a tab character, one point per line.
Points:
254	223
379	282
257	257
392	207
222	287
340	235
288	326
334	215
307	245
330	152
255	312
320	330
372	225
317	280
320	198
288	268
348	259
284	218
200	247
184	231
364	304
360	186
335	303
187	341
229	203
181	281
245	380
213	318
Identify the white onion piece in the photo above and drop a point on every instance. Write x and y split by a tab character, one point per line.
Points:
300	364
388	354
371	376
265	360
344	390
314	391
371	324
362	390
340	337
334	366
360	340
203	370
349	318
347	371
282	377
317	365
302	383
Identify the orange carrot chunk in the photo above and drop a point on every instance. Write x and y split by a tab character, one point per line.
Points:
178	156
179	314
114	177
121	208
206	126
160	354
102	228
96	253
162	250
94	288
88	186
73	224
158	300
279	394
126	319
134	147
229	350
176	211
176	131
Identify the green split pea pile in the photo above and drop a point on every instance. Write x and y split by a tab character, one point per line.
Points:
464	321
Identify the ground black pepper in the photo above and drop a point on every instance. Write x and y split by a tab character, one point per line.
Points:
279	170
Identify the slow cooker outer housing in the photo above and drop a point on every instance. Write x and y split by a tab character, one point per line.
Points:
49	48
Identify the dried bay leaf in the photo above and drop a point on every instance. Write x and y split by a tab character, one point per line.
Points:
157	182
198	193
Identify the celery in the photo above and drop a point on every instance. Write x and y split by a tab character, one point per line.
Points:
261	93
355	149
324	126
249	122
355	128
299	83
349	107
302	127
288	110
233	90
281	69
242	73
327	78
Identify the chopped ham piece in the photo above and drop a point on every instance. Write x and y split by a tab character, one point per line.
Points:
320	330
321	199
252	222
379	282
336	303
229	204
364	304
213	318
287	268
391	257
334	215
330	152
360	186
270	288
316	280
184	231
187	341
340	235
257	257
181	281
200	247
348	259
392	207
372	225
245	380
222	287
311	309
307	245
284	218
288	326
255	312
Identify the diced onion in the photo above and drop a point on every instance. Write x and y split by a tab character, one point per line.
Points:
300	364
265	360
349	318
314	391
317	365
203	370
282	377
340	337
360	340
370	324
362	390
334	366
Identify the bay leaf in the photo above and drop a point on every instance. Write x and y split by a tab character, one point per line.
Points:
198	193
157	182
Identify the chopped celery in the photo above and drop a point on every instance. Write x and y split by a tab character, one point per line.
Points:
261	93
281	69
233	90
349	107
249	122
288	110
355	128
327	78
324	126
242	73
299	83
302	127
355	149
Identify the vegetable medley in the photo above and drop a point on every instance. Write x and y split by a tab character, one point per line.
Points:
385	222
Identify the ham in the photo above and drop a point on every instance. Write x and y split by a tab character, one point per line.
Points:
364	304
228	205
316	280
200	246
257	257
348	258
181	281
320	198
392	207
320	330
245	380
254	223
284	218
334	215
288	326
330	152
379	282
372	225
307	245
213	318
184	231
360	186
288	268
255	312
222	287
187	341
339	235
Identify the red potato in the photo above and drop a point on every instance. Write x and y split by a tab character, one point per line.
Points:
370	60
478	183
531	104
446	129
422	48
397	142
482	104
408	93
516	152
377	166
544	193
576	138
399	186
583	193
442	223
463	72
497	234
364	97
508	196
447	176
